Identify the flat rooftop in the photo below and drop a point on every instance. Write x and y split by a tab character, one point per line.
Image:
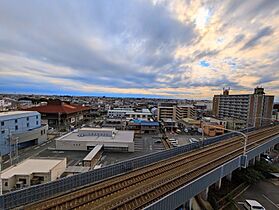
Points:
121	136
30	166
16	114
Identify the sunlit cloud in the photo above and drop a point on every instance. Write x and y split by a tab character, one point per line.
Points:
161	48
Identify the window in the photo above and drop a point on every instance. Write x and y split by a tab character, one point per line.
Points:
6	184
16	127
27	118
3	131
15	120
28	125
37	117
41	132
37	123
2	123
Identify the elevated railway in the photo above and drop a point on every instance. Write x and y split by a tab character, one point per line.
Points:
141	187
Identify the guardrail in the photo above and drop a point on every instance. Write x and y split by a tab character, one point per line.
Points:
47	190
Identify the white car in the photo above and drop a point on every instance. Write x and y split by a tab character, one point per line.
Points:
253	205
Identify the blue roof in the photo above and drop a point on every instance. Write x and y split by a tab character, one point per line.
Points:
145	122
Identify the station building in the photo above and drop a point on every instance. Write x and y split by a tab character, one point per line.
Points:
85	139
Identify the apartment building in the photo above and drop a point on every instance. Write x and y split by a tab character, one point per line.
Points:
166	111
255	109
184	111
22	128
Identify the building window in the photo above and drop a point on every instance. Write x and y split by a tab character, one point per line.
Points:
2	123
27	118
15	120
3	131
16	127
37	123
27	125
6	184
37	117
41	132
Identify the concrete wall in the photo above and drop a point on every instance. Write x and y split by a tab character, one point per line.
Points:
58	170
82	145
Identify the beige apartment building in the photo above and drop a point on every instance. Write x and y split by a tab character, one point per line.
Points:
254	109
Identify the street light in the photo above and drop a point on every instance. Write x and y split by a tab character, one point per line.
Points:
239	132
1	174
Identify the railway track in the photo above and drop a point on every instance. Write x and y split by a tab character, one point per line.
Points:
140	187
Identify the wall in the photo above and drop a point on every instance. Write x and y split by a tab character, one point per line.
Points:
58	170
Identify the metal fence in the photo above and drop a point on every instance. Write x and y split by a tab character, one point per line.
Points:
44	191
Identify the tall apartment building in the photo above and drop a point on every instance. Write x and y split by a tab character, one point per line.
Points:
25	126
184	111
255	109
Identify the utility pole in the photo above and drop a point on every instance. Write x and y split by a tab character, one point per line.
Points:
1	174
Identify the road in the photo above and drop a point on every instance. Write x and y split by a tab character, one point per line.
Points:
29	152
265	192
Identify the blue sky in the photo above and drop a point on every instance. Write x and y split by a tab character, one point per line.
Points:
153	48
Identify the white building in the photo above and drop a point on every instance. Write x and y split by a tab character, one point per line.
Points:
31	172
86	139
22	126
129	113
4	105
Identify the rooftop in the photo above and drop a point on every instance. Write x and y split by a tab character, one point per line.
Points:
121	136
16	114
62	108
93	152
30	166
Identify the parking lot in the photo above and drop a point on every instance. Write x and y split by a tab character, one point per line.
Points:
184	138
143	145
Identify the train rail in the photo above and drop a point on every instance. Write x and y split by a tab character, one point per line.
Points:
140	187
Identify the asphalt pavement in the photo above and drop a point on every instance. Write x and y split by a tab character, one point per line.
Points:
265	192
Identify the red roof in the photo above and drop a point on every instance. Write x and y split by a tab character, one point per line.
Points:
62	108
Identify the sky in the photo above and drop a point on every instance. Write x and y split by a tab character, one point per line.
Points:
149	48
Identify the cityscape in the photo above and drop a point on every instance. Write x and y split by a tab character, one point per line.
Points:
145	104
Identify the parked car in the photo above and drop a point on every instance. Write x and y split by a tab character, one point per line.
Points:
158	141
266	158
253	205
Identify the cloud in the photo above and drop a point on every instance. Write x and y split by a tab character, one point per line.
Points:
256	39
141	47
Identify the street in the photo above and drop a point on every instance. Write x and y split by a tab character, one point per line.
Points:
265	192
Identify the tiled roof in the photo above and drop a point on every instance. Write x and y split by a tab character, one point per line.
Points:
62	108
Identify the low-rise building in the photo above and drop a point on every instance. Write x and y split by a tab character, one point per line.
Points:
215	120
62	115
169	124
130	113
93	156
235	124
85	139
31	172
21	128
144	126
212	128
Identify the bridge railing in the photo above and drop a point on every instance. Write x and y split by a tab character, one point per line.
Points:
47	190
